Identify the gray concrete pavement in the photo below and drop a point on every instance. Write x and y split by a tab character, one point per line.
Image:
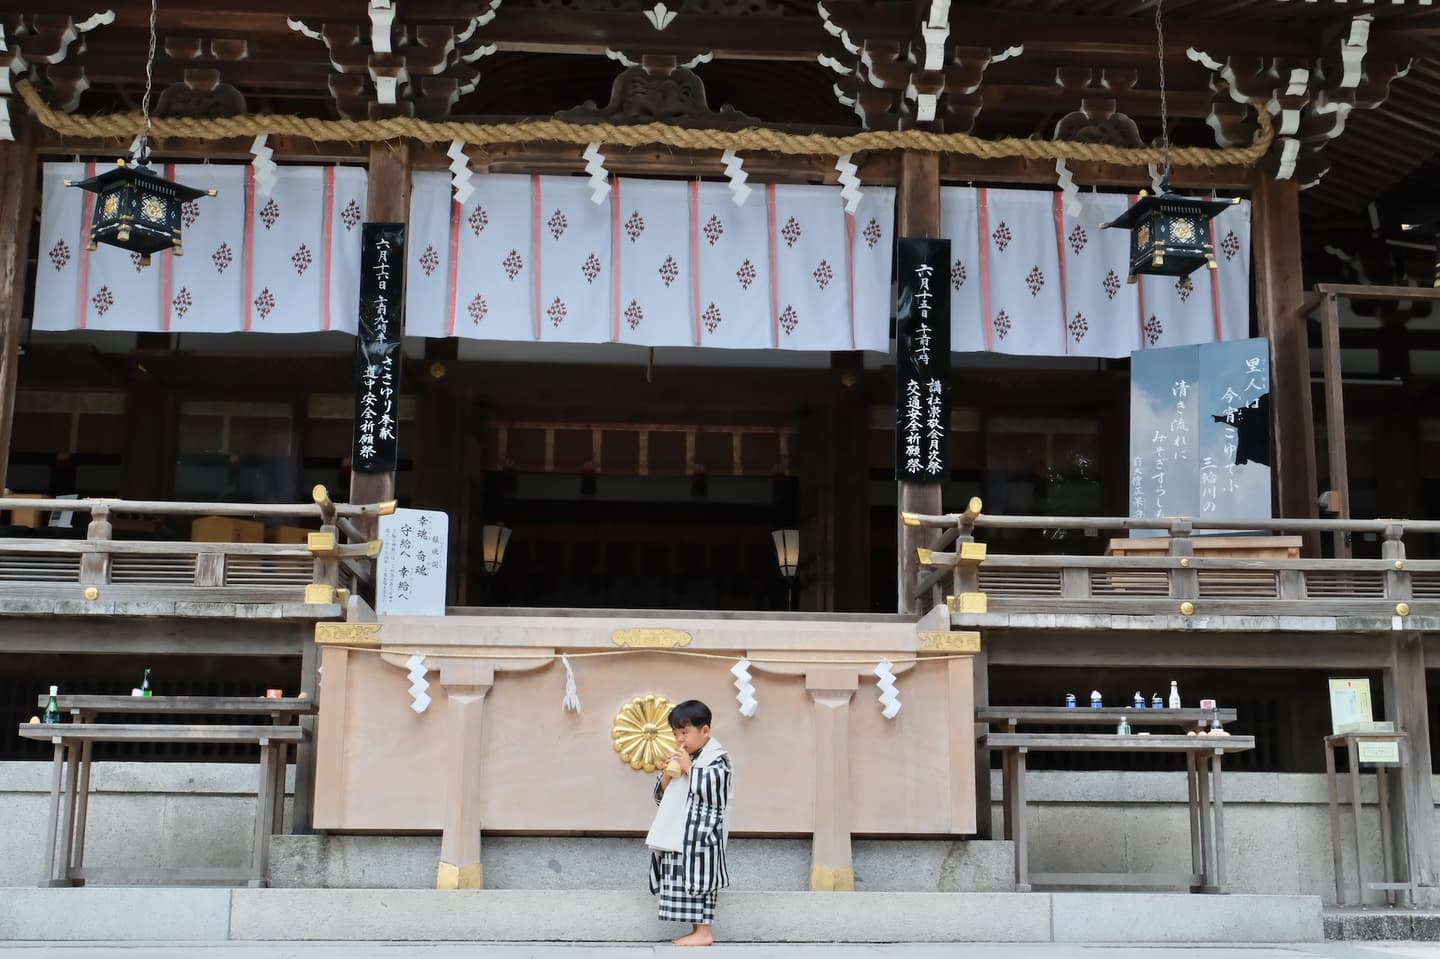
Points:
379	950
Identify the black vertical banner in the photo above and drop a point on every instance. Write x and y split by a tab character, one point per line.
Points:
922	361
376	447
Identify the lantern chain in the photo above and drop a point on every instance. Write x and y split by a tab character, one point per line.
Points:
1164	113
144	152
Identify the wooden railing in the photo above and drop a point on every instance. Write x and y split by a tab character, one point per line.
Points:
958	570
335	559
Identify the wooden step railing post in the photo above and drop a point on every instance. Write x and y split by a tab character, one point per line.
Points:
95	564
1184	580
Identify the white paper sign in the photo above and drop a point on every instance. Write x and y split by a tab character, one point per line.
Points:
413	563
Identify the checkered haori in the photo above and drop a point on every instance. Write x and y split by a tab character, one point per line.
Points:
688	881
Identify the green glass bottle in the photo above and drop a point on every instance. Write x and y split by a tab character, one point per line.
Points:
145	684
52	708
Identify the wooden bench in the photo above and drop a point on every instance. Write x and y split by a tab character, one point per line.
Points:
1207	821
70	777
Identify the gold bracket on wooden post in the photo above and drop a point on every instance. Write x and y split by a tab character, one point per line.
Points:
968	603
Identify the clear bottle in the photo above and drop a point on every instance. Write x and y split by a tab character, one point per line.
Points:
1124	728
52	708
1096	702
1174	694
1139	700
145	683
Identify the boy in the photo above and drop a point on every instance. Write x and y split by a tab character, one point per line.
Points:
687	839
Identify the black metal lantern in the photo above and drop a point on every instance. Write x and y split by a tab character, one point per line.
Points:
1170	233
136	209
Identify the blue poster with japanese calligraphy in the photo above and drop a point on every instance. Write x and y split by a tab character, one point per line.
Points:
1200	431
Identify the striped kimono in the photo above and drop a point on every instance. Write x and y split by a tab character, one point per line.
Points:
688	882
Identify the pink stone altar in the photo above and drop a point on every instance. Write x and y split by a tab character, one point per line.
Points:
494	750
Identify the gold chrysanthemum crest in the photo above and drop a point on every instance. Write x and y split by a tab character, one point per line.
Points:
642	733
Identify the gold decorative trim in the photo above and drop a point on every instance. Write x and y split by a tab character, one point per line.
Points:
1187	609
1402	609
910	519
923	556
968	603
470	876
972	552
825	879
958	641
320	544
319	594
650	638
91	593
347	634
641	732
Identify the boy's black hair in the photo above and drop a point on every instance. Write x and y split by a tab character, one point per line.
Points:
692	712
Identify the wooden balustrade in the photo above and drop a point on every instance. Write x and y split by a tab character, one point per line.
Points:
1391	592
42	571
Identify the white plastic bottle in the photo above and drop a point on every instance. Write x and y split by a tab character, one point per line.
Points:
1174	694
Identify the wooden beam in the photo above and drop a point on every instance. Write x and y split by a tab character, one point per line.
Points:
387	201
1279	298
17	209
917	214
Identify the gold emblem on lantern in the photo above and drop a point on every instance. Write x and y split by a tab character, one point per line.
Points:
642	733
112	205
1183	230
1142	236
153	209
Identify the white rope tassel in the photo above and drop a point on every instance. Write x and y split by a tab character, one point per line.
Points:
571	702
599	177
745	694
734	169
419	699
889	696
460	174
264	166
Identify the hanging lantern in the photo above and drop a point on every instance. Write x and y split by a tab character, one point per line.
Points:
1433	228
1170	233
136	209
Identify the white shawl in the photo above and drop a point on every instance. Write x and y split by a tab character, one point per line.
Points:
667	832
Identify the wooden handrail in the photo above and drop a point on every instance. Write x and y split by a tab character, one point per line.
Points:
162	508
1176	525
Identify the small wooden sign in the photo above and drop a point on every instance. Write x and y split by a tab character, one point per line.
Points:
1378	753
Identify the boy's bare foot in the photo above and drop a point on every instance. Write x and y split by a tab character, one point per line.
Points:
700	937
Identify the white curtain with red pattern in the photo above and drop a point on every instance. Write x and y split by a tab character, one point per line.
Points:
657	263
288	262
1030	279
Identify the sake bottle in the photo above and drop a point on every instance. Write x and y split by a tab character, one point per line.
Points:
52	708
1174	694
145	683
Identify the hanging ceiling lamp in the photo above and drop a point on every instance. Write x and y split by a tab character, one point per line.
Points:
136	209
1169	233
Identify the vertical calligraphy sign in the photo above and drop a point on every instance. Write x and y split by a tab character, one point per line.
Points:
376	447
922	361
1200	431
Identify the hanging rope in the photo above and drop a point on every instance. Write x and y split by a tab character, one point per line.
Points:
124	125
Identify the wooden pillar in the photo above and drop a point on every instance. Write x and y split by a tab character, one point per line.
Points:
1279	290
466	683
917	214
831	867
387	201
1407	706
851	491
17	210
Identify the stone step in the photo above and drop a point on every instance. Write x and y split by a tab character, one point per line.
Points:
1379	923
157	914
